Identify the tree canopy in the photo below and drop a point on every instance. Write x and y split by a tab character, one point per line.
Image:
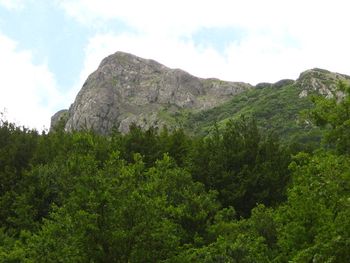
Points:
236	195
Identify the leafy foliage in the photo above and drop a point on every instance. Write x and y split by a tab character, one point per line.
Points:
244	166
236	195
334	113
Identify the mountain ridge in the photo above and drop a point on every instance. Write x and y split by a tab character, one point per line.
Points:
127	89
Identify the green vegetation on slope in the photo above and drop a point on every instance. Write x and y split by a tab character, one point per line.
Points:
274	109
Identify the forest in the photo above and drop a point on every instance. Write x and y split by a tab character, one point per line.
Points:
239	194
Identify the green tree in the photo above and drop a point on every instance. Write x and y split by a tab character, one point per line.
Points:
334	115
311	224
125	212
17	148
231	240
243	165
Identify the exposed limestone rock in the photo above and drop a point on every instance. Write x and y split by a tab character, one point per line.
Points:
126	89
321	81
61	115
303	94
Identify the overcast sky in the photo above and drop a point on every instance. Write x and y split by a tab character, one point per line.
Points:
49	47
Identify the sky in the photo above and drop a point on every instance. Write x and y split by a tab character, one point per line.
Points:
49	47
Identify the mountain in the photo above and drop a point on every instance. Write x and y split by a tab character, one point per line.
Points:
127	89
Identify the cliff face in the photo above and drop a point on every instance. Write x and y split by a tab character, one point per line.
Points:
127	89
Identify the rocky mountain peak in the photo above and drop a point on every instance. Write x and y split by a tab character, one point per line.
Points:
321	81
128	89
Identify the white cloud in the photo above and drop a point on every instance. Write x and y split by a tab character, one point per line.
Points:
254	60
174	17
183	16
28	92
281	39
12	4
164	50
257	58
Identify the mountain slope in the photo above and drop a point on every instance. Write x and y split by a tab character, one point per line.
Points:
276	106
126	89
274	109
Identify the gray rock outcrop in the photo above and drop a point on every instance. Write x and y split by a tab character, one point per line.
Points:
127	89
320	81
